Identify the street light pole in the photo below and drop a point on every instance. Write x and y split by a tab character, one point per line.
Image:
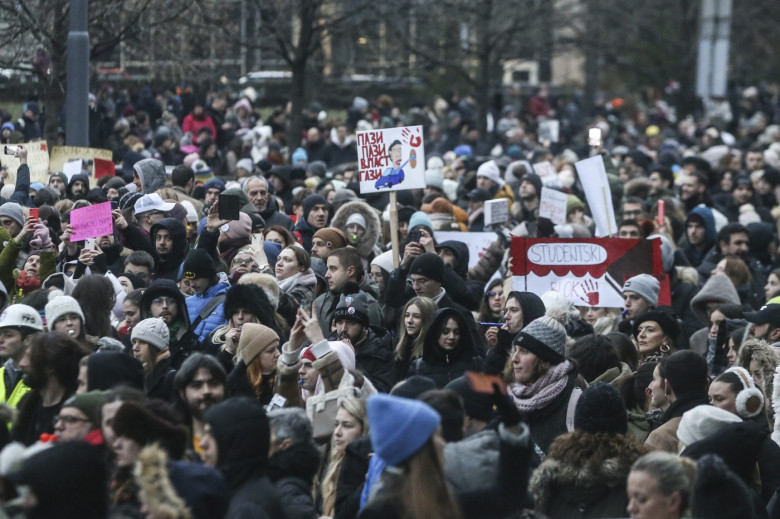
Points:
77	90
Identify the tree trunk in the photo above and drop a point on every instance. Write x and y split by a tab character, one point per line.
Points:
297	100
54	83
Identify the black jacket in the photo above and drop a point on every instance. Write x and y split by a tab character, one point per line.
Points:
465	291
374	357
272	215
159	383
292	471
168	264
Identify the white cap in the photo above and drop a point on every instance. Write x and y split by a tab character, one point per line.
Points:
153	202
21	316
192	214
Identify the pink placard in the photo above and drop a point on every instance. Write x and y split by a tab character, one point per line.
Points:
91	222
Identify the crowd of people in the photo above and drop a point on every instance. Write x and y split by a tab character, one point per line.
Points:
284	364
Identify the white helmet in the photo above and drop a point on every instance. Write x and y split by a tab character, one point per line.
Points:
21	316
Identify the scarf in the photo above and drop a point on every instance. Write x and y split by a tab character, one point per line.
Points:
305	278
543	391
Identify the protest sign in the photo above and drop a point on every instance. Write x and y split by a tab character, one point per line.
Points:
588	272
91	222
549	130
62	154
593	176
477	242
552	205
72	167
547	173
391	159
37	161
496	211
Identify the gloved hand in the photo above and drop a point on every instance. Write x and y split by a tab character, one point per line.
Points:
41	238
509	414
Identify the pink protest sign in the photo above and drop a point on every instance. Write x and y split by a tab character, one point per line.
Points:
91	222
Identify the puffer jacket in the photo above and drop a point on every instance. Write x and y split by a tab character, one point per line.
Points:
196	302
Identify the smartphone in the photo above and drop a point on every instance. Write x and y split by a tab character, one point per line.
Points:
34	212
661	213
257	240
89	243
483	382
11	150
229	207
415	235
594	137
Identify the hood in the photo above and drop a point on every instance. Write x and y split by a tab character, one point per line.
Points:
531	304
76	178
718	289
334	138
367	242
711	234
152	174
165	287
433	353
178	232
240	428
461	252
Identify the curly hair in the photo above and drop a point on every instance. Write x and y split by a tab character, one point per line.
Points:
589	450
760	351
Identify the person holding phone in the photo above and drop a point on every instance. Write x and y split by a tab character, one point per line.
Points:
40	263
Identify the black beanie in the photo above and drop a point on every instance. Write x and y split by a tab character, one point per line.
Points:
536	181
252	299
476	405
199	264
413	386
429	265
310	201
600	408
353	305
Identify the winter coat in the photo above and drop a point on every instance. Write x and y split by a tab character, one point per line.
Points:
445	366
196	302
299	295
374	357
8	257
159	383
465	291
303	233
326	307
664	438
594	488
696	255
152	174
272	215
352	477
292	472
366	245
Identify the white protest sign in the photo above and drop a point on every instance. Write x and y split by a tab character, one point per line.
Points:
549	130
546	171
72	167
37	161
552	205
496	211
477	242
391	159
593	176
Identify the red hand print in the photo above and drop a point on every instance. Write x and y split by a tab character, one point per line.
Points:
591	290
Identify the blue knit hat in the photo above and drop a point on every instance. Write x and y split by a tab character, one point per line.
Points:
420	218
399	426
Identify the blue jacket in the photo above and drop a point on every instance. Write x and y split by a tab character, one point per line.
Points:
196	302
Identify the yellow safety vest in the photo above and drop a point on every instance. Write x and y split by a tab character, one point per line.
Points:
19	391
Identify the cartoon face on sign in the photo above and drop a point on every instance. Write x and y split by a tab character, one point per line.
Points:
395	173
391	159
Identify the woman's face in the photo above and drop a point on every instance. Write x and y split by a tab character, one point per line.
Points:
645	500
377	276
772	286
32	265
716	317
142	353
348	429
274	237
106	425
354	232
649	338
126	284
241	317
69	324
513	315
268	358
726	182
756	373
450	335
495	298
286	265
412	320
594	313
523	365
132	313
722	396
126	451
731	354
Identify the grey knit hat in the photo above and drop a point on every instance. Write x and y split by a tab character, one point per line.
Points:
646	286
13	211
153	331
545	337
59	306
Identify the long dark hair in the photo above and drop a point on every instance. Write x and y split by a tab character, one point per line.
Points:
95	295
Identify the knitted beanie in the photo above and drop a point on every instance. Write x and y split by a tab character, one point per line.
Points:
384	261
310	201
646	286
59	306
88	403
356	218
490	170
334	238
701	421
430	265
535	181
545	337
13	211
399	426
353	306
199	264
152	331
254	339
600	408
241	228
420	218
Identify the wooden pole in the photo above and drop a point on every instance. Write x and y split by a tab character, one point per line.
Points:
394	228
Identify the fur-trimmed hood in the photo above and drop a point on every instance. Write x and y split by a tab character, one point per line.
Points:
156	490
367	242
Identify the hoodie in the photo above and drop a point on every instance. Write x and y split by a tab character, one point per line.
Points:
695	255
717	289
533	308
152	174
168	264
465	291
80	177
444	366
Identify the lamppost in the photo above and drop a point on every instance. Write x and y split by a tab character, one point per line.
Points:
77	93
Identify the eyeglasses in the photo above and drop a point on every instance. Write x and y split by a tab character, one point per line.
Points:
67	419
167	301
5	222
417	282
491	293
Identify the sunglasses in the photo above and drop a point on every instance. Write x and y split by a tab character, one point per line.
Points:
492	293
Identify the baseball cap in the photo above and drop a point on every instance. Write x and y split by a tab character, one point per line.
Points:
152	202
768	314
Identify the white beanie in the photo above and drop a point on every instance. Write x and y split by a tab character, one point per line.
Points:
701	421
356	218
60	305
152	331
490	170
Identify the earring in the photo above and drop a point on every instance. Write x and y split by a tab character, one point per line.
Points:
665	348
